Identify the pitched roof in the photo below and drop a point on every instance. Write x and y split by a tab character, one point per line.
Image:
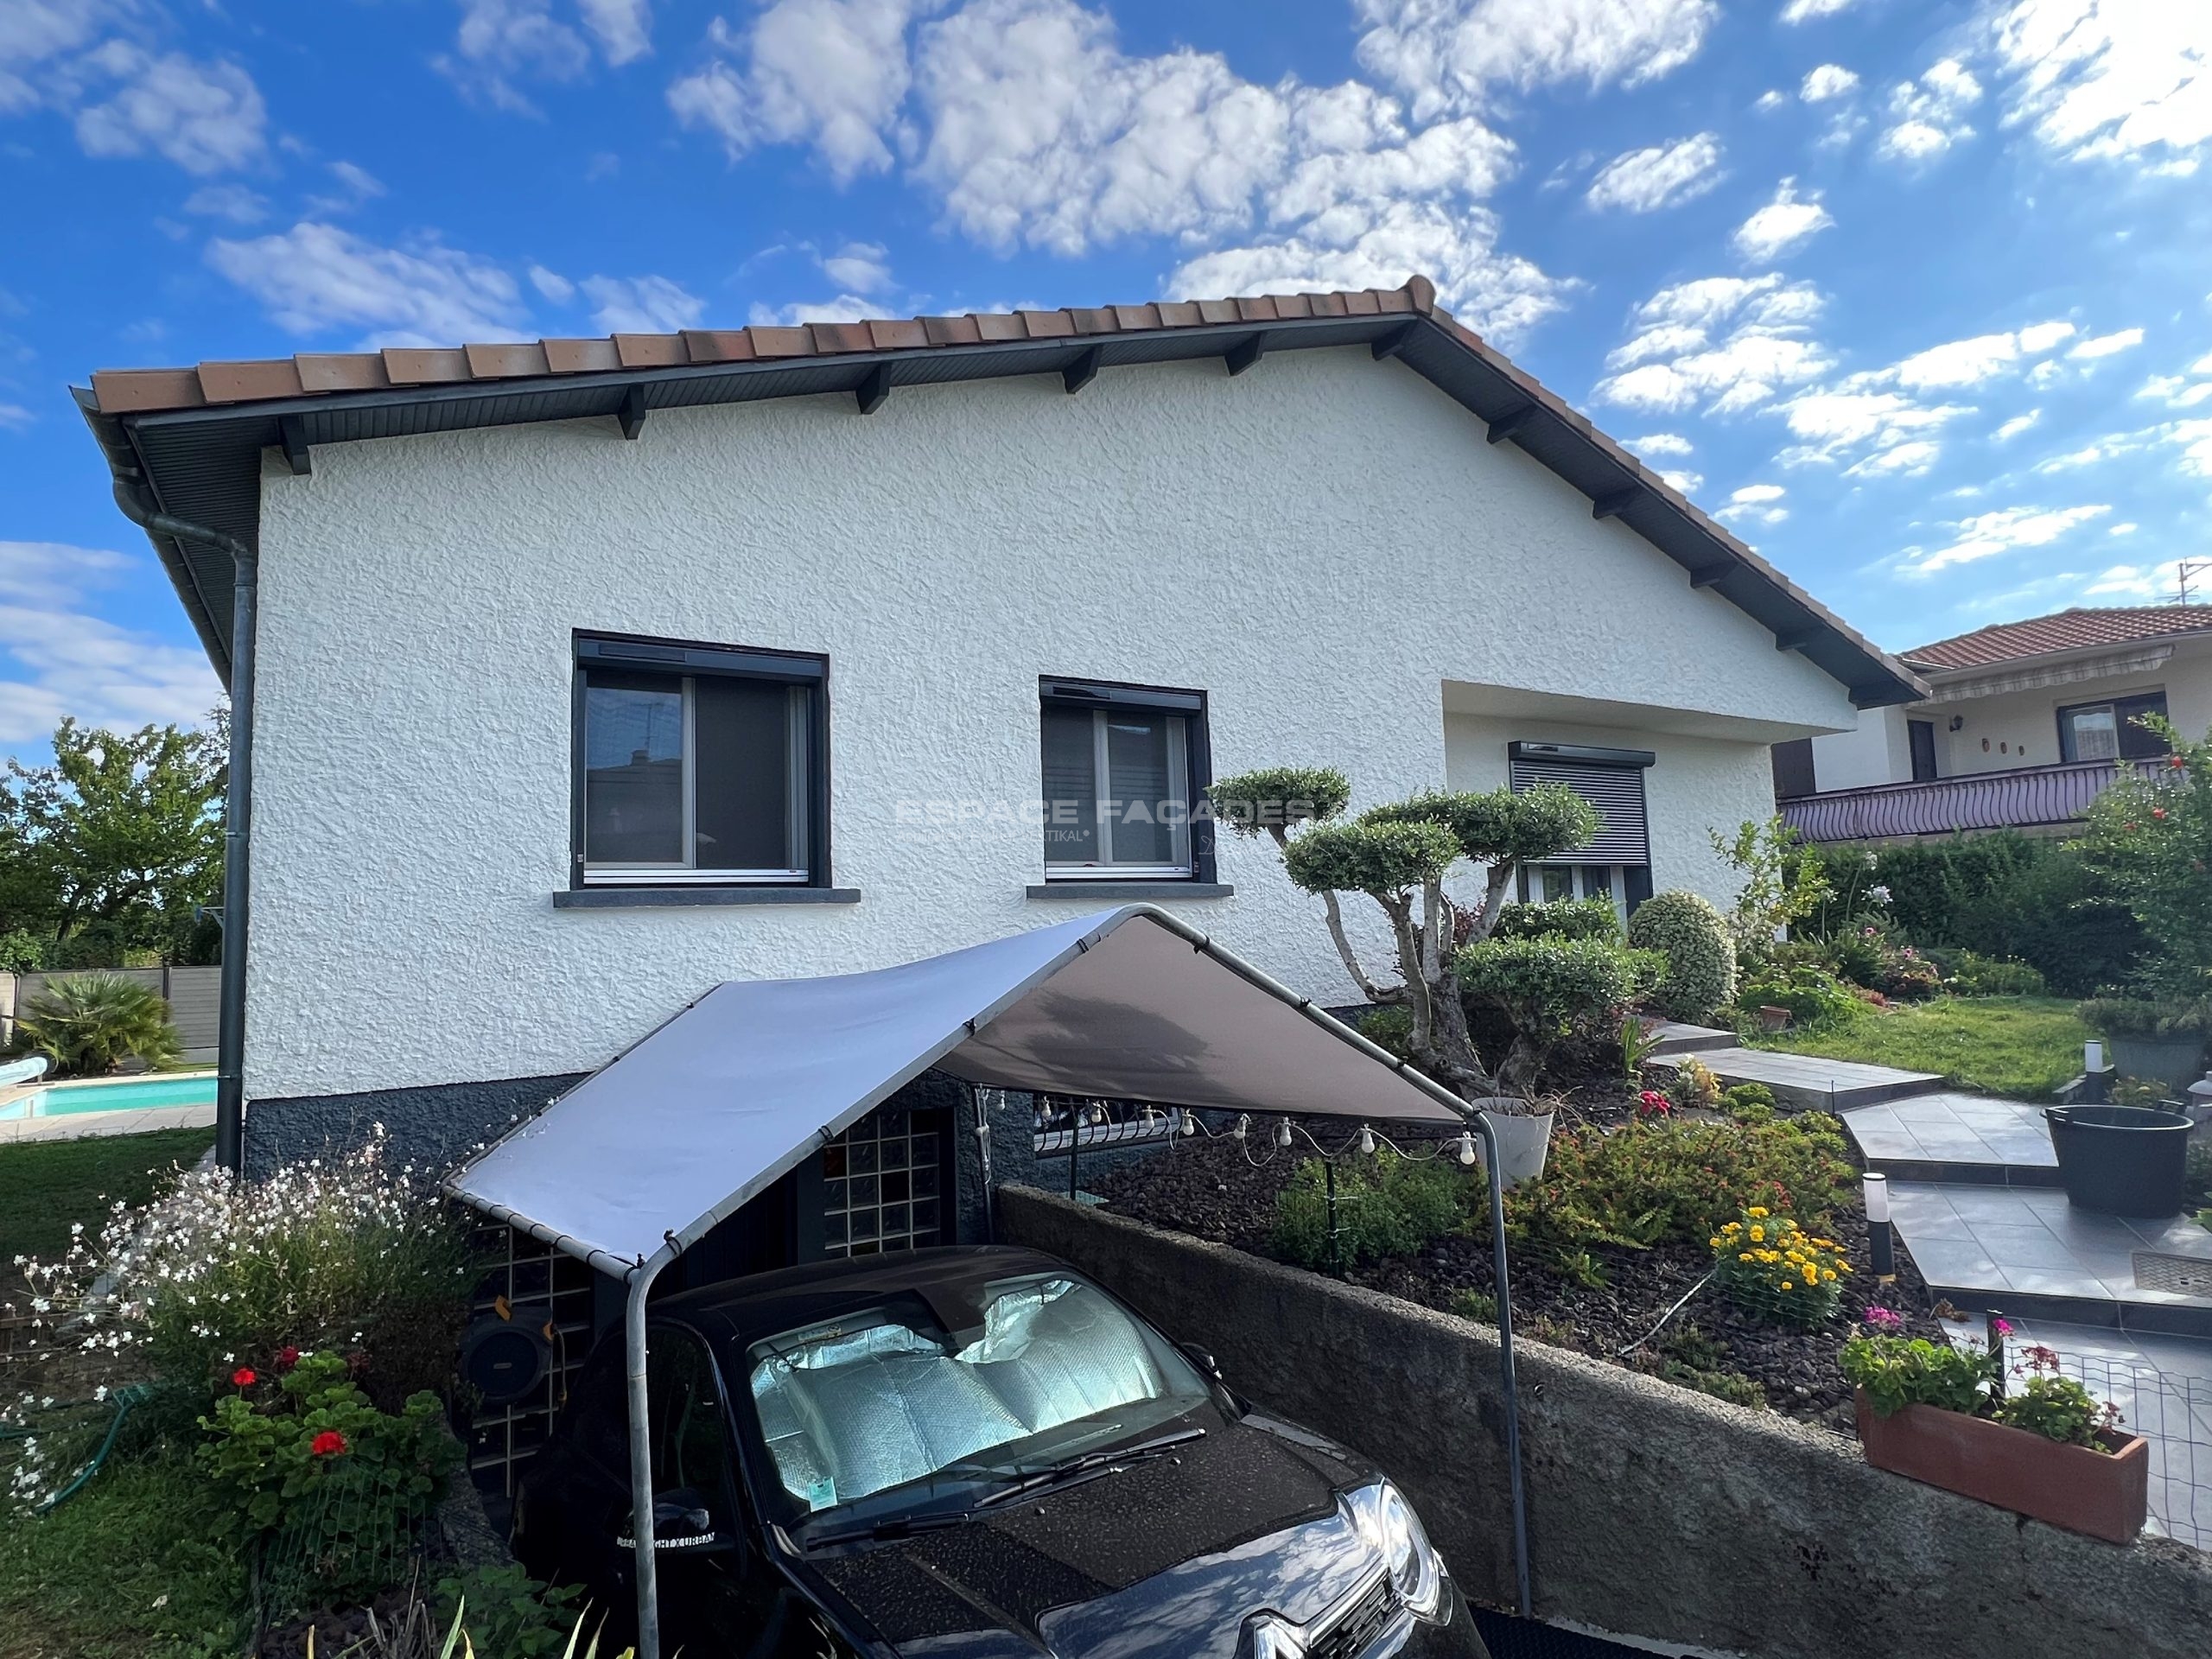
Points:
2078	629
187	441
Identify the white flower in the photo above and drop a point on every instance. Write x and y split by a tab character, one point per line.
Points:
1878	894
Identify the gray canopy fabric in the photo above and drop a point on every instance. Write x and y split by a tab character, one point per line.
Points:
718	1103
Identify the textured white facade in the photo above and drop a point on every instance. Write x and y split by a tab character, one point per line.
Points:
1325	545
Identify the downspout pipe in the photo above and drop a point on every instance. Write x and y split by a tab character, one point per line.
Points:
238	813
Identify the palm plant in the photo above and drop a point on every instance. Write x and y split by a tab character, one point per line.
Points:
88	1023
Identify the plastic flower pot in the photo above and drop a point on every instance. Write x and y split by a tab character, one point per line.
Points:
2177	1061
2104	1493
1525	1138
2120	1161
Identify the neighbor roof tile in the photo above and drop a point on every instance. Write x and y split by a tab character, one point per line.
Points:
2074	629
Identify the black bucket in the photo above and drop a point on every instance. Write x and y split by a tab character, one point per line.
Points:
2121	1161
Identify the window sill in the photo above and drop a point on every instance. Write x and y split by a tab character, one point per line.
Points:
1134	891
679	897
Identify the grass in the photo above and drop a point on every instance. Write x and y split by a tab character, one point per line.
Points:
138	1566
2022	1047
46	1184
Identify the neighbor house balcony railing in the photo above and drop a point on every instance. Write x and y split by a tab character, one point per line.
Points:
2021	799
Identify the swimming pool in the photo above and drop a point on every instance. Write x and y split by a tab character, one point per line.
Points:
121	1095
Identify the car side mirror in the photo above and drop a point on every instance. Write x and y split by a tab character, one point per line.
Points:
1203	1359
682	1521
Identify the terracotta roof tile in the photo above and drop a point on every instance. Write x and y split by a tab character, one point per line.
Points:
409	367
655	350
1033	325
128	390
718	344
1215	311
506	362
889	336
2074	629
241	382
342	371
951	331
832	339
581	356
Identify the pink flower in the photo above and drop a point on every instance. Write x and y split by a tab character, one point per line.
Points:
2002	1327
1652	1104
1866	932
1882	1319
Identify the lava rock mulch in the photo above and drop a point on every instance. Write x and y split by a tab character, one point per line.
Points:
1209	1189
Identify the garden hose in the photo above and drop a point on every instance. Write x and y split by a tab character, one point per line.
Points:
1663	1318
125	1399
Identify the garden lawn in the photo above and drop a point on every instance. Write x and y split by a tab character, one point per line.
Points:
2022	1047
46	1184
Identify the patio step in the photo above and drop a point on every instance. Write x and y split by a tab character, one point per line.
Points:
1960	1140
1808	1083
1676	1038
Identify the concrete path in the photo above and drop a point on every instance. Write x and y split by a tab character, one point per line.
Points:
1806	1082
1953	1137
132	1120
1677	1038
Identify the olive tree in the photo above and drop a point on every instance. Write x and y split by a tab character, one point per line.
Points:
1398	856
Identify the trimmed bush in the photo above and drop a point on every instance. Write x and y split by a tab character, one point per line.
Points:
1385	1206
1567	919
1974	974
1556	987
1700	956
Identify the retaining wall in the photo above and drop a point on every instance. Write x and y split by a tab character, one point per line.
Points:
1653	1512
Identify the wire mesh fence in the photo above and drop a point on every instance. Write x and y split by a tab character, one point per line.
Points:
2170	1410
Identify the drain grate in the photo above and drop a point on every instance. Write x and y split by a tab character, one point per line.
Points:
2184	1275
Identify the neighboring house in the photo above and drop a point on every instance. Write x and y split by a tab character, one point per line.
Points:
591	673
2027	723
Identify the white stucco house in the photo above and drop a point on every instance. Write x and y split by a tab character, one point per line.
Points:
2026	724
579	675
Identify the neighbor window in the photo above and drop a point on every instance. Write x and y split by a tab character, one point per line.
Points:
1122	767
2107	731
699	765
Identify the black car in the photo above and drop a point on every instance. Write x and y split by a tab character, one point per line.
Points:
973	1453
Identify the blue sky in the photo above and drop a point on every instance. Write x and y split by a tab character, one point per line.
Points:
1917	297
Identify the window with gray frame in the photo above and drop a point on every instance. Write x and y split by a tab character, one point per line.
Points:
699	765
2107	731
1124	767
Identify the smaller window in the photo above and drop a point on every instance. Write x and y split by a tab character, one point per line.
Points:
2108	731
699	765
1123	767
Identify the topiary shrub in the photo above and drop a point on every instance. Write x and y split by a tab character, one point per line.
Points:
1552	989
1685	929
1566	919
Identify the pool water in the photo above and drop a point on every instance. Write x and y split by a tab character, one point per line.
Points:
128	1093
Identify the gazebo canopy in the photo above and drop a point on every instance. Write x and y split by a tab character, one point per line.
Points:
718	1103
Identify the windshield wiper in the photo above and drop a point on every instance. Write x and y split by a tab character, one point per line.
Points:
890	1526
1089	1463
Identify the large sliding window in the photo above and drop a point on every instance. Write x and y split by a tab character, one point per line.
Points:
699	765
2107	731
1123	768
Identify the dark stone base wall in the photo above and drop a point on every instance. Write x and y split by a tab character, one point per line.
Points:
437	1125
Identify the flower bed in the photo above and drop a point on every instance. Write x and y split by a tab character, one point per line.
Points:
1571	1287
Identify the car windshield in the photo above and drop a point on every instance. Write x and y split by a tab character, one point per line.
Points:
882	1401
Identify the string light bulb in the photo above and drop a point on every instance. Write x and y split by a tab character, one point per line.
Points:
1466	1149
1190	1122
1366	1140
1244	1126
1282	1133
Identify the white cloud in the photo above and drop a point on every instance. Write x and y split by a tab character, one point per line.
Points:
641	305
1684	482
74	663
1804	11
1910	459
1661	444
205	116
1644	181
2123	529
1754	504
1988	534
1725	343
1783	225
315	279
1768	101
2193	440
624	26
1971	362
859	267
1928	116
2107	345
15	417
1450	54
2018	424
2110	78
1829	80
232	201
356	185
552	284
829	72
846	307
2154	582
2177	391
1831	422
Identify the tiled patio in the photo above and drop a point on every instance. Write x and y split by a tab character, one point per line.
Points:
2025	1251
1952	1137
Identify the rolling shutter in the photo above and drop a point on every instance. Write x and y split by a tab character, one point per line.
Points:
1611	780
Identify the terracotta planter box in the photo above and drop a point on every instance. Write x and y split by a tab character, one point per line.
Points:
2104	1494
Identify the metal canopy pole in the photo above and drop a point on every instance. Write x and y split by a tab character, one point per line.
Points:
641	1448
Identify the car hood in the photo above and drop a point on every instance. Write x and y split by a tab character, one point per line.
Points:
1166	1557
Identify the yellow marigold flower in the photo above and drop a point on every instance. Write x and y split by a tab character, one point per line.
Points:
1789	1284
1746	1256
1756	1212
1759	1234
1714	1242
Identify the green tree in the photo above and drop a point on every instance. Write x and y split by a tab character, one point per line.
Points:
2149	838
1397	854
1782	884
115	842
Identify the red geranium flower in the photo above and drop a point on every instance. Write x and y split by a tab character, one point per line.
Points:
243	1377
2157	812
328	1444
287	1358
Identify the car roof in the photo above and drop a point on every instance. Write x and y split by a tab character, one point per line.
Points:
739	1312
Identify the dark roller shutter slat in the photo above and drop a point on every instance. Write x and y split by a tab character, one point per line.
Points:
1624	836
